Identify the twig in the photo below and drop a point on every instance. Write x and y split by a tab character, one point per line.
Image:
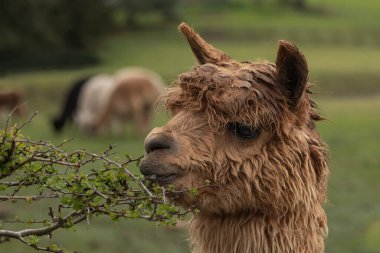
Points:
26	122
40	231
28	198
11	113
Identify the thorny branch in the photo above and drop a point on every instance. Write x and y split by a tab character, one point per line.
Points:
73	187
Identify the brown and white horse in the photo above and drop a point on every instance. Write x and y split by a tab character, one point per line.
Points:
131	98
103	102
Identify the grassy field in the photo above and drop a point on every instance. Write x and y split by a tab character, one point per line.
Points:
348	87
353	208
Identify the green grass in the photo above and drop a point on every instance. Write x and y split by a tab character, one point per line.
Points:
348	83
353	137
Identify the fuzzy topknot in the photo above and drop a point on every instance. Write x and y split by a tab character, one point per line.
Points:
235	92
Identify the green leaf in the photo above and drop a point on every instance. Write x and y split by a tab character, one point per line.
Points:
33	240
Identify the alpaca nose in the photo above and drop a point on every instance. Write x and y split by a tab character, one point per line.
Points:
158	141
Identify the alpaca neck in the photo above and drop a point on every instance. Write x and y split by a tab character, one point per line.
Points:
249	233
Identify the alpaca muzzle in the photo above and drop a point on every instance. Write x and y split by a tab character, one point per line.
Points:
152	166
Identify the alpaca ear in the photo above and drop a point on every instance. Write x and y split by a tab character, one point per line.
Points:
292	71
204	52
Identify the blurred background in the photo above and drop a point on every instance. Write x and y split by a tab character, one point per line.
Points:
45	45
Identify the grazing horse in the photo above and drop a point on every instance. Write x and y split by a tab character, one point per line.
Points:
12	100
71	103
132	98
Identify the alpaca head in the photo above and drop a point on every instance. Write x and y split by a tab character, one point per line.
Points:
242	133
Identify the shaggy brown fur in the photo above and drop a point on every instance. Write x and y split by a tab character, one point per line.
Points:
12	100
267	187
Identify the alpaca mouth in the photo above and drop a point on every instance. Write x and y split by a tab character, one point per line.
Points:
157	171
161	178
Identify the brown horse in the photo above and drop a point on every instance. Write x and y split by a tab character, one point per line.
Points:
131	98
12	101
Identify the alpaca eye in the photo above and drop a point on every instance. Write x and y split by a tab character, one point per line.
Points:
243	130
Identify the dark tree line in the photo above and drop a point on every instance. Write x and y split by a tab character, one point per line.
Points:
72	25
297	4
43	25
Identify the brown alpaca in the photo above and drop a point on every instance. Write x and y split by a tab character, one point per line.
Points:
246	130
12	100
